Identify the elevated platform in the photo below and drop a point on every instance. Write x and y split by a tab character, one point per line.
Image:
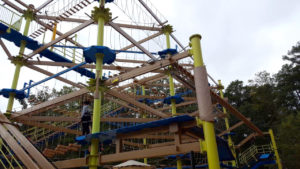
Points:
17	37
108	136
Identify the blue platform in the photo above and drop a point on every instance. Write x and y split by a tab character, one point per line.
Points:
16	37
164	53
18	94
90	54
178	99
225	153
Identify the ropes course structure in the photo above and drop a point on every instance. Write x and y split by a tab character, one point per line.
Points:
152	99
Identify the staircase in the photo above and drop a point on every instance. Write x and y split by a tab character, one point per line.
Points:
70	9
255	154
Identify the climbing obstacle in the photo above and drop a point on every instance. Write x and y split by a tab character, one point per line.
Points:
140	110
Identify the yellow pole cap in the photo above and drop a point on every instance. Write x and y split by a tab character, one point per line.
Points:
195	35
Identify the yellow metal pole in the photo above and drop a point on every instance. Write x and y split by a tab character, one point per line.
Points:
179	163
74	49
18	67
172	89
98	96
144	116
54	34
230	142
278	161
171	82
208	127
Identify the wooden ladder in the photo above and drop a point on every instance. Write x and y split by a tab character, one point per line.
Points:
71	11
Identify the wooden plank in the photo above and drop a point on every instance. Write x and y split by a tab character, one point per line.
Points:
57	101
76	119
34	153
17	149
70	32
231	128
51	127
136	103
235	112
178	105
247	139
131	155
145	69
129	38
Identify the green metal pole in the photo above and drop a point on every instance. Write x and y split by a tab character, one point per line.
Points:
18	68
98	96
208	126
230	142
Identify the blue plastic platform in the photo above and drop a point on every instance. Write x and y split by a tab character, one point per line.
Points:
18	94
90	54
164	53
178	99
265	156
16	37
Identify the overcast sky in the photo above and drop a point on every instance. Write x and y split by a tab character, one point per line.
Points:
239	38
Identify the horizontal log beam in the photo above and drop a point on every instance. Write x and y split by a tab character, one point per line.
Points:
51	127
131	155
231	128
148	28
51	103
136	103
74	119
145	69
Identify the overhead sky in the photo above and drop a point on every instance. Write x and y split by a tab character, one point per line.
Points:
239	38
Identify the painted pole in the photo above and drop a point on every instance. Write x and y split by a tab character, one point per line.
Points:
19	64
230	142
98	96
278	161
74	51
144	116
171	86
54	34
204	103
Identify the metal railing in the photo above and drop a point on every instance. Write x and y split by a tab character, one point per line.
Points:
250	153
10	18
8	159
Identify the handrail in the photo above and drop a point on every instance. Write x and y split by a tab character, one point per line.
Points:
10	18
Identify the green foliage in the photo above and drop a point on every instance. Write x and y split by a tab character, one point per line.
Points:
273	102
289	141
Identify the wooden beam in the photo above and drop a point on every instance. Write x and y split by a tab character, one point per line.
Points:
33	152
128	99
76	119
148	28
143	41
5	49
51	103
231	128
178	105
51	127
247	139
123	104
17	149
91	66
131	155
145	69
72	31
128	37
235	112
